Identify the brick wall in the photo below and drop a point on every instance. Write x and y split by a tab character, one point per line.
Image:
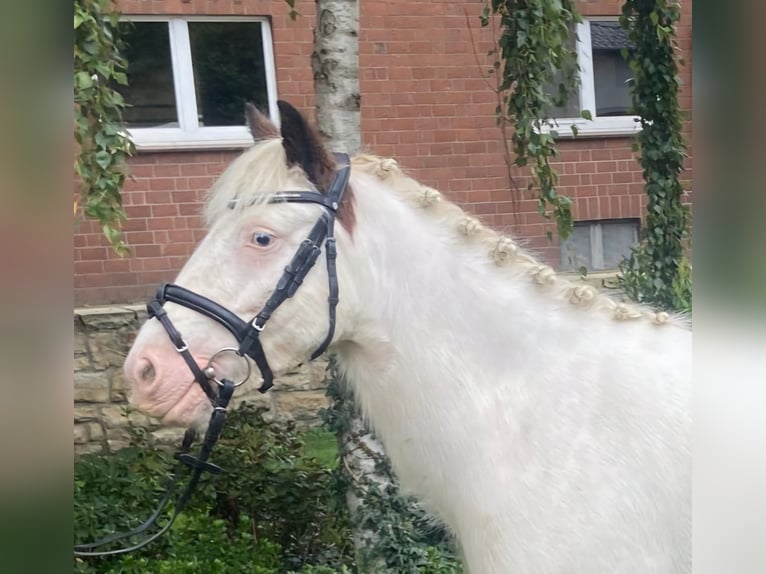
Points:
424	101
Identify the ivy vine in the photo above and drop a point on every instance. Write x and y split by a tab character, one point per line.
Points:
102	147
539	73
657	271
407	540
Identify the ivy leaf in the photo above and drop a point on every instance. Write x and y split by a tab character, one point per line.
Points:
586	115
103	158
83	80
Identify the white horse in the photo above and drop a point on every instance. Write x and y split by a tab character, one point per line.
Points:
547	425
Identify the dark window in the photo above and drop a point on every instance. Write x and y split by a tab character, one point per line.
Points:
150	92
611	73
228	70
571	107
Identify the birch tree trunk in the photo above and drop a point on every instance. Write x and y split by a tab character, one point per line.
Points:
335	63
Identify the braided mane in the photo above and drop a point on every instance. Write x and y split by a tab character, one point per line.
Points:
504	251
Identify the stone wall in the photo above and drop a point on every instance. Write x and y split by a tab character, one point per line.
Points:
102	338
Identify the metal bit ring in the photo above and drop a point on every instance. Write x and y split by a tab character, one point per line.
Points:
209	370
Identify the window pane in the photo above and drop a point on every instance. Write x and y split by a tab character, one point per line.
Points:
571	108
610	70
617	237
576	249
228	70
150	90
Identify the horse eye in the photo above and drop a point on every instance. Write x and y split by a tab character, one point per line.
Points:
262	239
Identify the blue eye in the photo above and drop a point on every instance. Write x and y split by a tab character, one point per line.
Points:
262	239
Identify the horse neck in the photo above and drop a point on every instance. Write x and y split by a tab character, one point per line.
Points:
438	319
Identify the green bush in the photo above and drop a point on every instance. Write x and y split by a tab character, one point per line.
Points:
276	509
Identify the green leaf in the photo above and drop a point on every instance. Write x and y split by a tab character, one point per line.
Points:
103	158
83	80
585	114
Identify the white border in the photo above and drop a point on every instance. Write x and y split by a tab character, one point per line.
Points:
189	135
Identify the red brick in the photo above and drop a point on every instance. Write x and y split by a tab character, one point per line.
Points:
144	251
158	197
164	210
601	178
181	235
88	267
117	265
93	253
162	183
139	237
184	249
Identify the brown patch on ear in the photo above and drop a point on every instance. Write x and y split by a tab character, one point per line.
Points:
261	127
304	147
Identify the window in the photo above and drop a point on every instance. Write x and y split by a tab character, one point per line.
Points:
598	245
189	79
604	83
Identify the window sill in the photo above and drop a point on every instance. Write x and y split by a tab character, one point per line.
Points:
174	139
624	126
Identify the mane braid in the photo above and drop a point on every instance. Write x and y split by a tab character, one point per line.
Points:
503	250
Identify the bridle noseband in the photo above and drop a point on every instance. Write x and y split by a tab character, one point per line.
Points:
247	334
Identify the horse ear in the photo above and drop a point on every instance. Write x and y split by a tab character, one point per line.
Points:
261	127
303	146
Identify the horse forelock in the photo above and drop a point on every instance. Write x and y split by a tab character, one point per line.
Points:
252	179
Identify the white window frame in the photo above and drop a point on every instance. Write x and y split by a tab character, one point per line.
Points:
598	126
189	134
597	242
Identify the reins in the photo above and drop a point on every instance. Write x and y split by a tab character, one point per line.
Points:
247	334
198	465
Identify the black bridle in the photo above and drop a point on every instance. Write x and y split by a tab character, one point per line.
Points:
247	334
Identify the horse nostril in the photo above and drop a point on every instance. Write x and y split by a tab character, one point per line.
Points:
148	373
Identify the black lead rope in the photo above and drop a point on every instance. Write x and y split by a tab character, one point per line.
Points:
198	464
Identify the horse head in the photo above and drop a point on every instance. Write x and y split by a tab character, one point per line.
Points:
251	292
